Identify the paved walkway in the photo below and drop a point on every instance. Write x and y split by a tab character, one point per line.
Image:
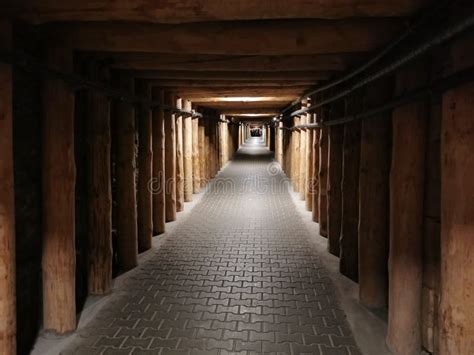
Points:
238	275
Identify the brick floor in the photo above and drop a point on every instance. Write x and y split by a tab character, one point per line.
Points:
237	276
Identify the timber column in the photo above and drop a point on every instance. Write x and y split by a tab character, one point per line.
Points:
406	216
127	234
302	164
188	154
457	211
323	176
315	166
170	160
59	178
309	177
195	154
159	182
7	202
99	189
375	157
179	158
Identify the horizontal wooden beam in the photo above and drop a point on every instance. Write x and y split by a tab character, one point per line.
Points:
206	62
249	111
176	83
182	11
285	37
276	105
242	100
232	75
196	93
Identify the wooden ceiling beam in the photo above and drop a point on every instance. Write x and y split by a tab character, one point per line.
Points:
285	37
210	62
244	99
232	75
188	84
183	11
199	93
247	105
249	111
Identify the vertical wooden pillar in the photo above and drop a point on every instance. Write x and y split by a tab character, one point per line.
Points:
336	135
170	159
202	154
179	158
302	164
316	165
207	151
188	154
59	176
99	191
406	217
7	202
309	178
349	255
195	155
295	157
126	191
145	162
375	157
159	182
323	179
456	323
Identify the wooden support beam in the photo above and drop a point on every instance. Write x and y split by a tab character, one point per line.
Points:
99	189
7	201
59	177
349	255
375	158
316	166
127	233
199	93
203	62
145	166
170	159
188	153
457	213
290	37
202	154
179	159
159	181
295	157
309	165
179	84
38	11
302	164
334	193
323	177
293	76
195	156
406	216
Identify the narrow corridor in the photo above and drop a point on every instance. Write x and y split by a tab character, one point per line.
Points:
237	275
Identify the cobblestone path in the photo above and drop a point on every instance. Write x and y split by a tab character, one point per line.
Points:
237	275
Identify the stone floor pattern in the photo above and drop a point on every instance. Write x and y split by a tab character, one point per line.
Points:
238	275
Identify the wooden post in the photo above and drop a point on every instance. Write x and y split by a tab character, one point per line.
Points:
170	160
179	159
59	176
336	135
456	323
309	165
315	174
207	151
295	157
7	202
145	162
188	154
375	157
302	163
202	152
126	191
323	179
99	190
406	217
349	255
159	181
196	153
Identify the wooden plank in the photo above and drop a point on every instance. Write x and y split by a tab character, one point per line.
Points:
7	201
182	11
170	159
375	158
145	166
127	233
159	182
291	37
99	189
407	176
59	176
188	153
